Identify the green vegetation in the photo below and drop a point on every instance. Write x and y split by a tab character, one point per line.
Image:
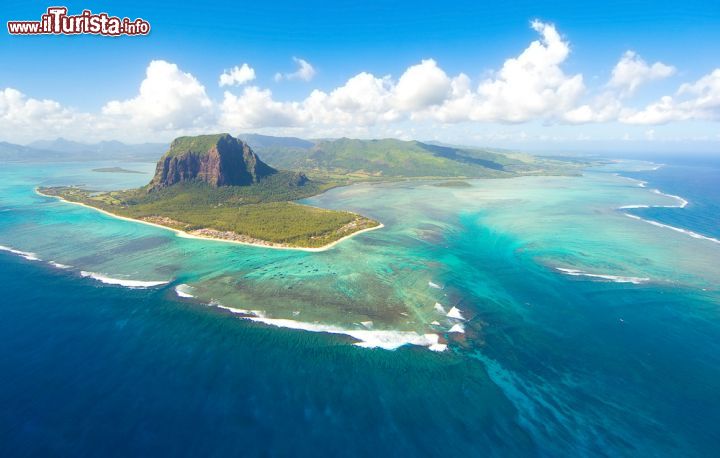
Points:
280	187
352	160
256	214
198	144
115	170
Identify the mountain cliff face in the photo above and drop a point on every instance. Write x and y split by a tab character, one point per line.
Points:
218	160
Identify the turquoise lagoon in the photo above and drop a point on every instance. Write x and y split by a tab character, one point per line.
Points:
564	319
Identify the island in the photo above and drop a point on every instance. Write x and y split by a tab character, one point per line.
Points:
216	187
114	170
452	184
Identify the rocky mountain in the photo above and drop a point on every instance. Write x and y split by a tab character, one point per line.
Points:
218	160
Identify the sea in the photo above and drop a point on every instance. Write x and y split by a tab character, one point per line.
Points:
534	316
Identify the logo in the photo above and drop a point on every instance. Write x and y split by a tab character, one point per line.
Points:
57	22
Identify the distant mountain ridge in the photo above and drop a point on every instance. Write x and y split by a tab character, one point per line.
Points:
104	147
61	149
268	141
14	152
387	158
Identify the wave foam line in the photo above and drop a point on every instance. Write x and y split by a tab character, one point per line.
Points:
387	340
58	265
122	282
184	291
612	278
692	234
23	254
682	203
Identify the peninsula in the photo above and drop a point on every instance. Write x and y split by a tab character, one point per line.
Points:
215	186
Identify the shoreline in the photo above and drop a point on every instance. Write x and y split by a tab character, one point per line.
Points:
186	235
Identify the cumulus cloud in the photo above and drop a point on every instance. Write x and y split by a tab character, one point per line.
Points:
364	100
692	101
28	118
632	71
531	86
169	99
629	73
606	107
305	71
422	85
255	108
237	75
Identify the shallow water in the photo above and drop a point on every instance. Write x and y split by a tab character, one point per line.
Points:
585	331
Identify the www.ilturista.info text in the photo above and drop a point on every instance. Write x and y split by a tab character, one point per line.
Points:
57	22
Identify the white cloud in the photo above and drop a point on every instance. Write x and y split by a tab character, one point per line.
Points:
529	86
169	99
364	100
26	118
629	73
422	85
604	108
706	93
305	71
533	84
255	108
692	101
237	75
660	112
17	108
632	71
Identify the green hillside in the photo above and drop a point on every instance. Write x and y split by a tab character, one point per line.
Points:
391	158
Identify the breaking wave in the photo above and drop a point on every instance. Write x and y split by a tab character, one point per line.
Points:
673	228
137	284
385	339
612	278
184	291
23	254
682	203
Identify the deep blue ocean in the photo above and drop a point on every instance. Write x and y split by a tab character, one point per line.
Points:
697	179
578	368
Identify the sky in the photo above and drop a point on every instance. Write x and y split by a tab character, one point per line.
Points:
535	75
